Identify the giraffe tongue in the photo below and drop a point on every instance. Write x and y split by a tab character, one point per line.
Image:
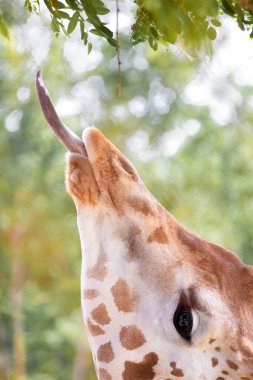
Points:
72	142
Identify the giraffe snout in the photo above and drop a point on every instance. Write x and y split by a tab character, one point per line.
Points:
113	172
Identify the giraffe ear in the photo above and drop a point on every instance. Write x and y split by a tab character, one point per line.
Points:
80	180
122	165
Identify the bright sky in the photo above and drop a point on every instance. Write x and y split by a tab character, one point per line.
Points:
233	57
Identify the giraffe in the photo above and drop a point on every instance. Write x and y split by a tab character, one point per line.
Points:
158	302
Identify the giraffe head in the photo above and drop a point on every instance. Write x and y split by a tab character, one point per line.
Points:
158	302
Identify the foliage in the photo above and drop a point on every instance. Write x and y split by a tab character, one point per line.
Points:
86	14
190	23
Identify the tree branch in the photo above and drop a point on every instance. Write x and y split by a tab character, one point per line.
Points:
119	84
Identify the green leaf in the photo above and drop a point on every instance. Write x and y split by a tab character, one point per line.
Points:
155	46
28	5
136	42
73	22
84	35
240	17
98	3
248	22
215	22
49	7
153	43
101	33
211	32
3	28
153	32
240	23
100	26
55	26
239	12
227	7
111	41
97	32
102	11
105	32
89	47
89	9
61	14
85	38
72	4
61	5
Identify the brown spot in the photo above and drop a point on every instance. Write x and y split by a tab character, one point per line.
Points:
131	337
159	236
124	297
215	362
176	371
90	294
94	330
233	349
232	365
100	315
220	378
211	341
218	349
142	370
134	242
99	270
103	374
105	353
140	205
224	372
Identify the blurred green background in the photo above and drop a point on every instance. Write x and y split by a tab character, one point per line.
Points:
186	125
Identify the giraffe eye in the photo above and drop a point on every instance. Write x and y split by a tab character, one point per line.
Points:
185	321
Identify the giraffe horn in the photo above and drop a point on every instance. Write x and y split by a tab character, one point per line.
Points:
71	141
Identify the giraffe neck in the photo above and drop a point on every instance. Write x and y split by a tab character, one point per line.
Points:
127	330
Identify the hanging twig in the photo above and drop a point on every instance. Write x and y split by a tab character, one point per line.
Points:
119	85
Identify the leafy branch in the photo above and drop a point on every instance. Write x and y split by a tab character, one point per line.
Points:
193	23
65	16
